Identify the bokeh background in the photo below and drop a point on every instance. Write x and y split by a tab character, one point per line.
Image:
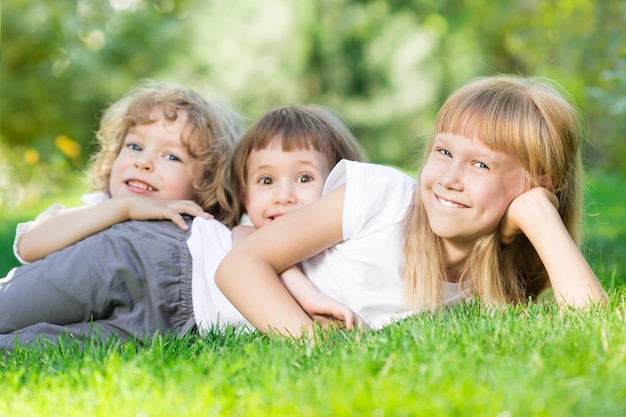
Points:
386	66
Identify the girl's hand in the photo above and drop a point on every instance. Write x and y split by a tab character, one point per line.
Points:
328	312
318	306
146	208
524	209
535	214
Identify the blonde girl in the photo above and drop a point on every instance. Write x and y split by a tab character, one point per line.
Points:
494	215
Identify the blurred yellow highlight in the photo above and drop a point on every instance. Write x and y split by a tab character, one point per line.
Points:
69	147
31	157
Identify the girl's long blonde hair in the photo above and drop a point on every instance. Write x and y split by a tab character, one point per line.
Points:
533	119
212	132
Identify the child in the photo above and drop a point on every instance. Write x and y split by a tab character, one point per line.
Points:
161	147
307	131
279	165
495	215
187	176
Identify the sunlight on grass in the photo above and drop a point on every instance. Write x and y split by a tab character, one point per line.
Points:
469	362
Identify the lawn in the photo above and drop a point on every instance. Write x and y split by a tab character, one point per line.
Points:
469	362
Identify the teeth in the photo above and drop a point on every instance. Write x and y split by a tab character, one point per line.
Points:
141	185
449	203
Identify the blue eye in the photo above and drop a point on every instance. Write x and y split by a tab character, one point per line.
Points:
480	165
134	146
444	152
171	157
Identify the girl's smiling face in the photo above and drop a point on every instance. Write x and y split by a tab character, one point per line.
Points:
466	188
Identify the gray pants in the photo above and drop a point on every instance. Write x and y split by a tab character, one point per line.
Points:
131	280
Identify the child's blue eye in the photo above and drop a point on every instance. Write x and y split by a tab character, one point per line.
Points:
134	147
172	157
480	165
444	152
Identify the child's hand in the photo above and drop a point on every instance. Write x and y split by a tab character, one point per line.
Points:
145	208
523	210
329	312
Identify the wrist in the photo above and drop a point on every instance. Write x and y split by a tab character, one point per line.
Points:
117	208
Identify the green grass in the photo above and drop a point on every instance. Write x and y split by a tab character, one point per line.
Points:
470	362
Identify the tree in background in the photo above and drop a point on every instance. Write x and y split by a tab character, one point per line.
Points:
386	65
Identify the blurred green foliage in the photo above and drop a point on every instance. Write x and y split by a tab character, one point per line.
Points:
385	65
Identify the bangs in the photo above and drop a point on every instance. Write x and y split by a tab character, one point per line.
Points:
294	130
521	117
504	118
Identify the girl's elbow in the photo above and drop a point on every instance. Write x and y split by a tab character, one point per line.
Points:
227	273
220	275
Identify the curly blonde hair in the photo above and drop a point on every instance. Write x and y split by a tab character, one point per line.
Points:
211	137
531	118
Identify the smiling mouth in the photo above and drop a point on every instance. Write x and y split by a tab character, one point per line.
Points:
448	203
140	185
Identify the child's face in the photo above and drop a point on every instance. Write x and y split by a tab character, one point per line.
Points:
466	188
279	182
154	162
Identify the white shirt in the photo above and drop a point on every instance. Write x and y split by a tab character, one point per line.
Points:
209	242
365	270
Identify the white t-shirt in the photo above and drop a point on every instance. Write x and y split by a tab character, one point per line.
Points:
365	270
209	242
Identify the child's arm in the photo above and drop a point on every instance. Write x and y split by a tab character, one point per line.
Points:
248	277
71	225
318	306
534	213
241	232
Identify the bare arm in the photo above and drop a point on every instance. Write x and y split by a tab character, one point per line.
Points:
241	232
248	275
534	213
71	225
318	306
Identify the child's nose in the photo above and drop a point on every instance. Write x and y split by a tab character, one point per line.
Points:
285	194
144	162
452	177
